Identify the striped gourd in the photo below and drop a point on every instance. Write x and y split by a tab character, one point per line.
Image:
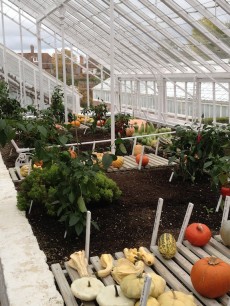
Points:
167	245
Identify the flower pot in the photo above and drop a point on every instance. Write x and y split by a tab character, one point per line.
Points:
225	191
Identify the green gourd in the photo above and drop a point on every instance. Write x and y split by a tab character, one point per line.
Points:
167	245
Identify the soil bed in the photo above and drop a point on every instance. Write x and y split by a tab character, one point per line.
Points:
128	222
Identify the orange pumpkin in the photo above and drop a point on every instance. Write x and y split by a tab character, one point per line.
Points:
38	163
210	277
129	131
72	153
145	159
76	123
198	234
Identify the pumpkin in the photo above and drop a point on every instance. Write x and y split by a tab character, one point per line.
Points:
198	234
210	277
38	163
113	296
225	232
129	131
137	149
118	162
159	285
75	123
167	245
24	170
100	122
145	160
86	288
132	285
176	298
72	153
150	302
225	191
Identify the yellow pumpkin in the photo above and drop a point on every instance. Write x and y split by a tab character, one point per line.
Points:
137	149
132	285
176	298
118	163
24	170
150	302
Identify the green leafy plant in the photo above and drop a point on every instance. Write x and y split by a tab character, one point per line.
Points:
191	148
98	113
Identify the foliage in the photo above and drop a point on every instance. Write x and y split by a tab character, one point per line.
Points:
191	148
9	108
56	108
98	112
65	187
6	132
121	123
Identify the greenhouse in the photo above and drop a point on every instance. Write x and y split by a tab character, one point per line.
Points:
110	110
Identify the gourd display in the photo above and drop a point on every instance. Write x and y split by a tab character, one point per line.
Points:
86	288
79	262
124	267
137	149
106	261
198	234
176	298
132	285
118	163
24	170
150	302
225	232
167	245
210	277
113	296
145	159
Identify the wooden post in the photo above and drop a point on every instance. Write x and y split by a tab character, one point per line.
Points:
157	222
145	290
87	235
185	223
226	209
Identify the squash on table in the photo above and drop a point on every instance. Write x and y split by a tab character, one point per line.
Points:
106	261
131	254
198	234
145	159
150	302
130	131
79	262
210	277
159	285
137	149
24	170
167	245
146	256
113	296
225	232
132	285
176	298
86	288
124	267
118	163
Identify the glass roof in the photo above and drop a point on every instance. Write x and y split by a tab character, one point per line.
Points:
151	36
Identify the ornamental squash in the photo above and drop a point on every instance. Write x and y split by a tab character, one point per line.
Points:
198	234
145	159
118	162
131	254
113	296
137	149
176	298
159	285
130	131
150	302
76	123
86	288
124	267
146	256
106	261
24	170
79	262
210	277
167	245
225	232
132	285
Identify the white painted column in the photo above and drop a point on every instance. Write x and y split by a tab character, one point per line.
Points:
186	100
4	46
175	100
41	104
35	90
214	101
229	102
198	93
112	87
102	82
87	80
72	82
56	56
21	65
62	17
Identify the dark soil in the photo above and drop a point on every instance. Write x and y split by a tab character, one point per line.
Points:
128	222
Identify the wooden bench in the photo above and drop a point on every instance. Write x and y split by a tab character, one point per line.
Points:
175	271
